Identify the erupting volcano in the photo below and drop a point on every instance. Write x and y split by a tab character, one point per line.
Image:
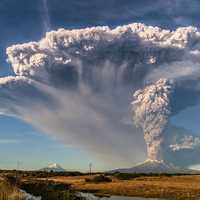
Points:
77	86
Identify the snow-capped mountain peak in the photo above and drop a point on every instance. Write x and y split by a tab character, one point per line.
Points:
154	166
53	168
54	165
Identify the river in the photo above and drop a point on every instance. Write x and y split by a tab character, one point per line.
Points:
90	196
29	196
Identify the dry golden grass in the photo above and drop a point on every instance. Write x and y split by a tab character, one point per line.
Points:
9	192
16	196
176	187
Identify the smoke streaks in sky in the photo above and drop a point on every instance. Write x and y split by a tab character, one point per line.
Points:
45	16
77	86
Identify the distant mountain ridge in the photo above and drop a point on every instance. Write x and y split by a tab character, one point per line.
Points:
53	168
154	166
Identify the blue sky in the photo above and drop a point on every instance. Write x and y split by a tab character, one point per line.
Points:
19	142
23	21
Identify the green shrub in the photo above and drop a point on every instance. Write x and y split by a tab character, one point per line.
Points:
98	179
125	176
12	180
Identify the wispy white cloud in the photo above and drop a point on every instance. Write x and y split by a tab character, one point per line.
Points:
9	141
187	142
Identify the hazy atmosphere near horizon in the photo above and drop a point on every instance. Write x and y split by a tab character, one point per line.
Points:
107	82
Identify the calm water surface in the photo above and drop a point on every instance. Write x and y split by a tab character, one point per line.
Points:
92	197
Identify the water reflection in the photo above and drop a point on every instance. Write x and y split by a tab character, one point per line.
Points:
90	196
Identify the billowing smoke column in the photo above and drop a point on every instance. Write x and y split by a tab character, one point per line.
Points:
151	110
77	85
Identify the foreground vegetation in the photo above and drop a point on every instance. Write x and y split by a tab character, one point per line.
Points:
49	190
12	187
57	185
159	186
98	179
8	191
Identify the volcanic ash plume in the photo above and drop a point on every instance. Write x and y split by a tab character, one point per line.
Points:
76	85
151	110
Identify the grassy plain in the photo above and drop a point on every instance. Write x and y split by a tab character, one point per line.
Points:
170	187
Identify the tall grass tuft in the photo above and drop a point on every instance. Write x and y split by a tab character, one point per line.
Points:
9	191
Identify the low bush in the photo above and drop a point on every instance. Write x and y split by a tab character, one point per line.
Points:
125	176
98	179
128	176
